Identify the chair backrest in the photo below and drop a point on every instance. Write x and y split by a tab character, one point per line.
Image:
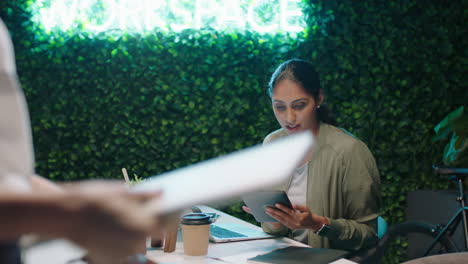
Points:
374	254
382	227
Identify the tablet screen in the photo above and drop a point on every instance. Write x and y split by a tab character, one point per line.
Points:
259	201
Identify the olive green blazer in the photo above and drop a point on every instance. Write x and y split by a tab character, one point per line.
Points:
343	184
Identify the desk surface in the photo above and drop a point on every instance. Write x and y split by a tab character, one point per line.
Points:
231	252
61	251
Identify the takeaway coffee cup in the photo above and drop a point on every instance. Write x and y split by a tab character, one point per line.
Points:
195	233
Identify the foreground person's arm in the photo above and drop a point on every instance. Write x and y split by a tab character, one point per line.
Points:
110	226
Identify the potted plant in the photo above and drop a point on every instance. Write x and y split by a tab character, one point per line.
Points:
455	127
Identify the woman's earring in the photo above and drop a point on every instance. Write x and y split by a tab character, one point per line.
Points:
318	106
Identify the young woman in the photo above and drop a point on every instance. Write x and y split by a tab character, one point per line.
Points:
336	190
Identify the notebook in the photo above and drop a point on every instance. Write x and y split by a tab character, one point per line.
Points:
230	232
229	176
300	255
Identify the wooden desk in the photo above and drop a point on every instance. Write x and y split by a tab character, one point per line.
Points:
232	252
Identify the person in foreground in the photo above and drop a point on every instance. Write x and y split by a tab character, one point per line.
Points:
103	217
335	191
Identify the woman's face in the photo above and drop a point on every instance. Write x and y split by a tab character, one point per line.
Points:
294	109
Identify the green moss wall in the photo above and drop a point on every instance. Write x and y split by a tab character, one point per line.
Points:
392	70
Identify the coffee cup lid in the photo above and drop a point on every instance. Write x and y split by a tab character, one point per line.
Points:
196	219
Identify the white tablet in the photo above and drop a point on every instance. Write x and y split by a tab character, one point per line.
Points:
259	201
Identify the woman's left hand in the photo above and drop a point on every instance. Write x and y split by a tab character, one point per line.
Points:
300	217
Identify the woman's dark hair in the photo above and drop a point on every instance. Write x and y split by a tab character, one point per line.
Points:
303	73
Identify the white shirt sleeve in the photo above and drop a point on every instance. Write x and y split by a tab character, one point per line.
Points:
16	151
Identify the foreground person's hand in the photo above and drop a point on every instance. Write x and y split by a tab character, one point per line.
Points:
110	222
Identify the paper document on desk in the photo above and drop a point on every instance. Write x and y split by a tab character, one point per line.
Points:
343	261
239	252
230	175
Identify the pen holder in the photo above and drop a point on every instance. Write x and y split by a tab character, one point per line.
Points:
166	240
167	236
157	239
170	239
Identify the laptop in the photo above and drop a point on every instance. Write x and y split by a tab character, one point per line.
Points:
230	232
228	176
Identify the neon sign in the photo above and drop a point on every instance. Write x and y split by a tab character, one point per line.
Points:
264	16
